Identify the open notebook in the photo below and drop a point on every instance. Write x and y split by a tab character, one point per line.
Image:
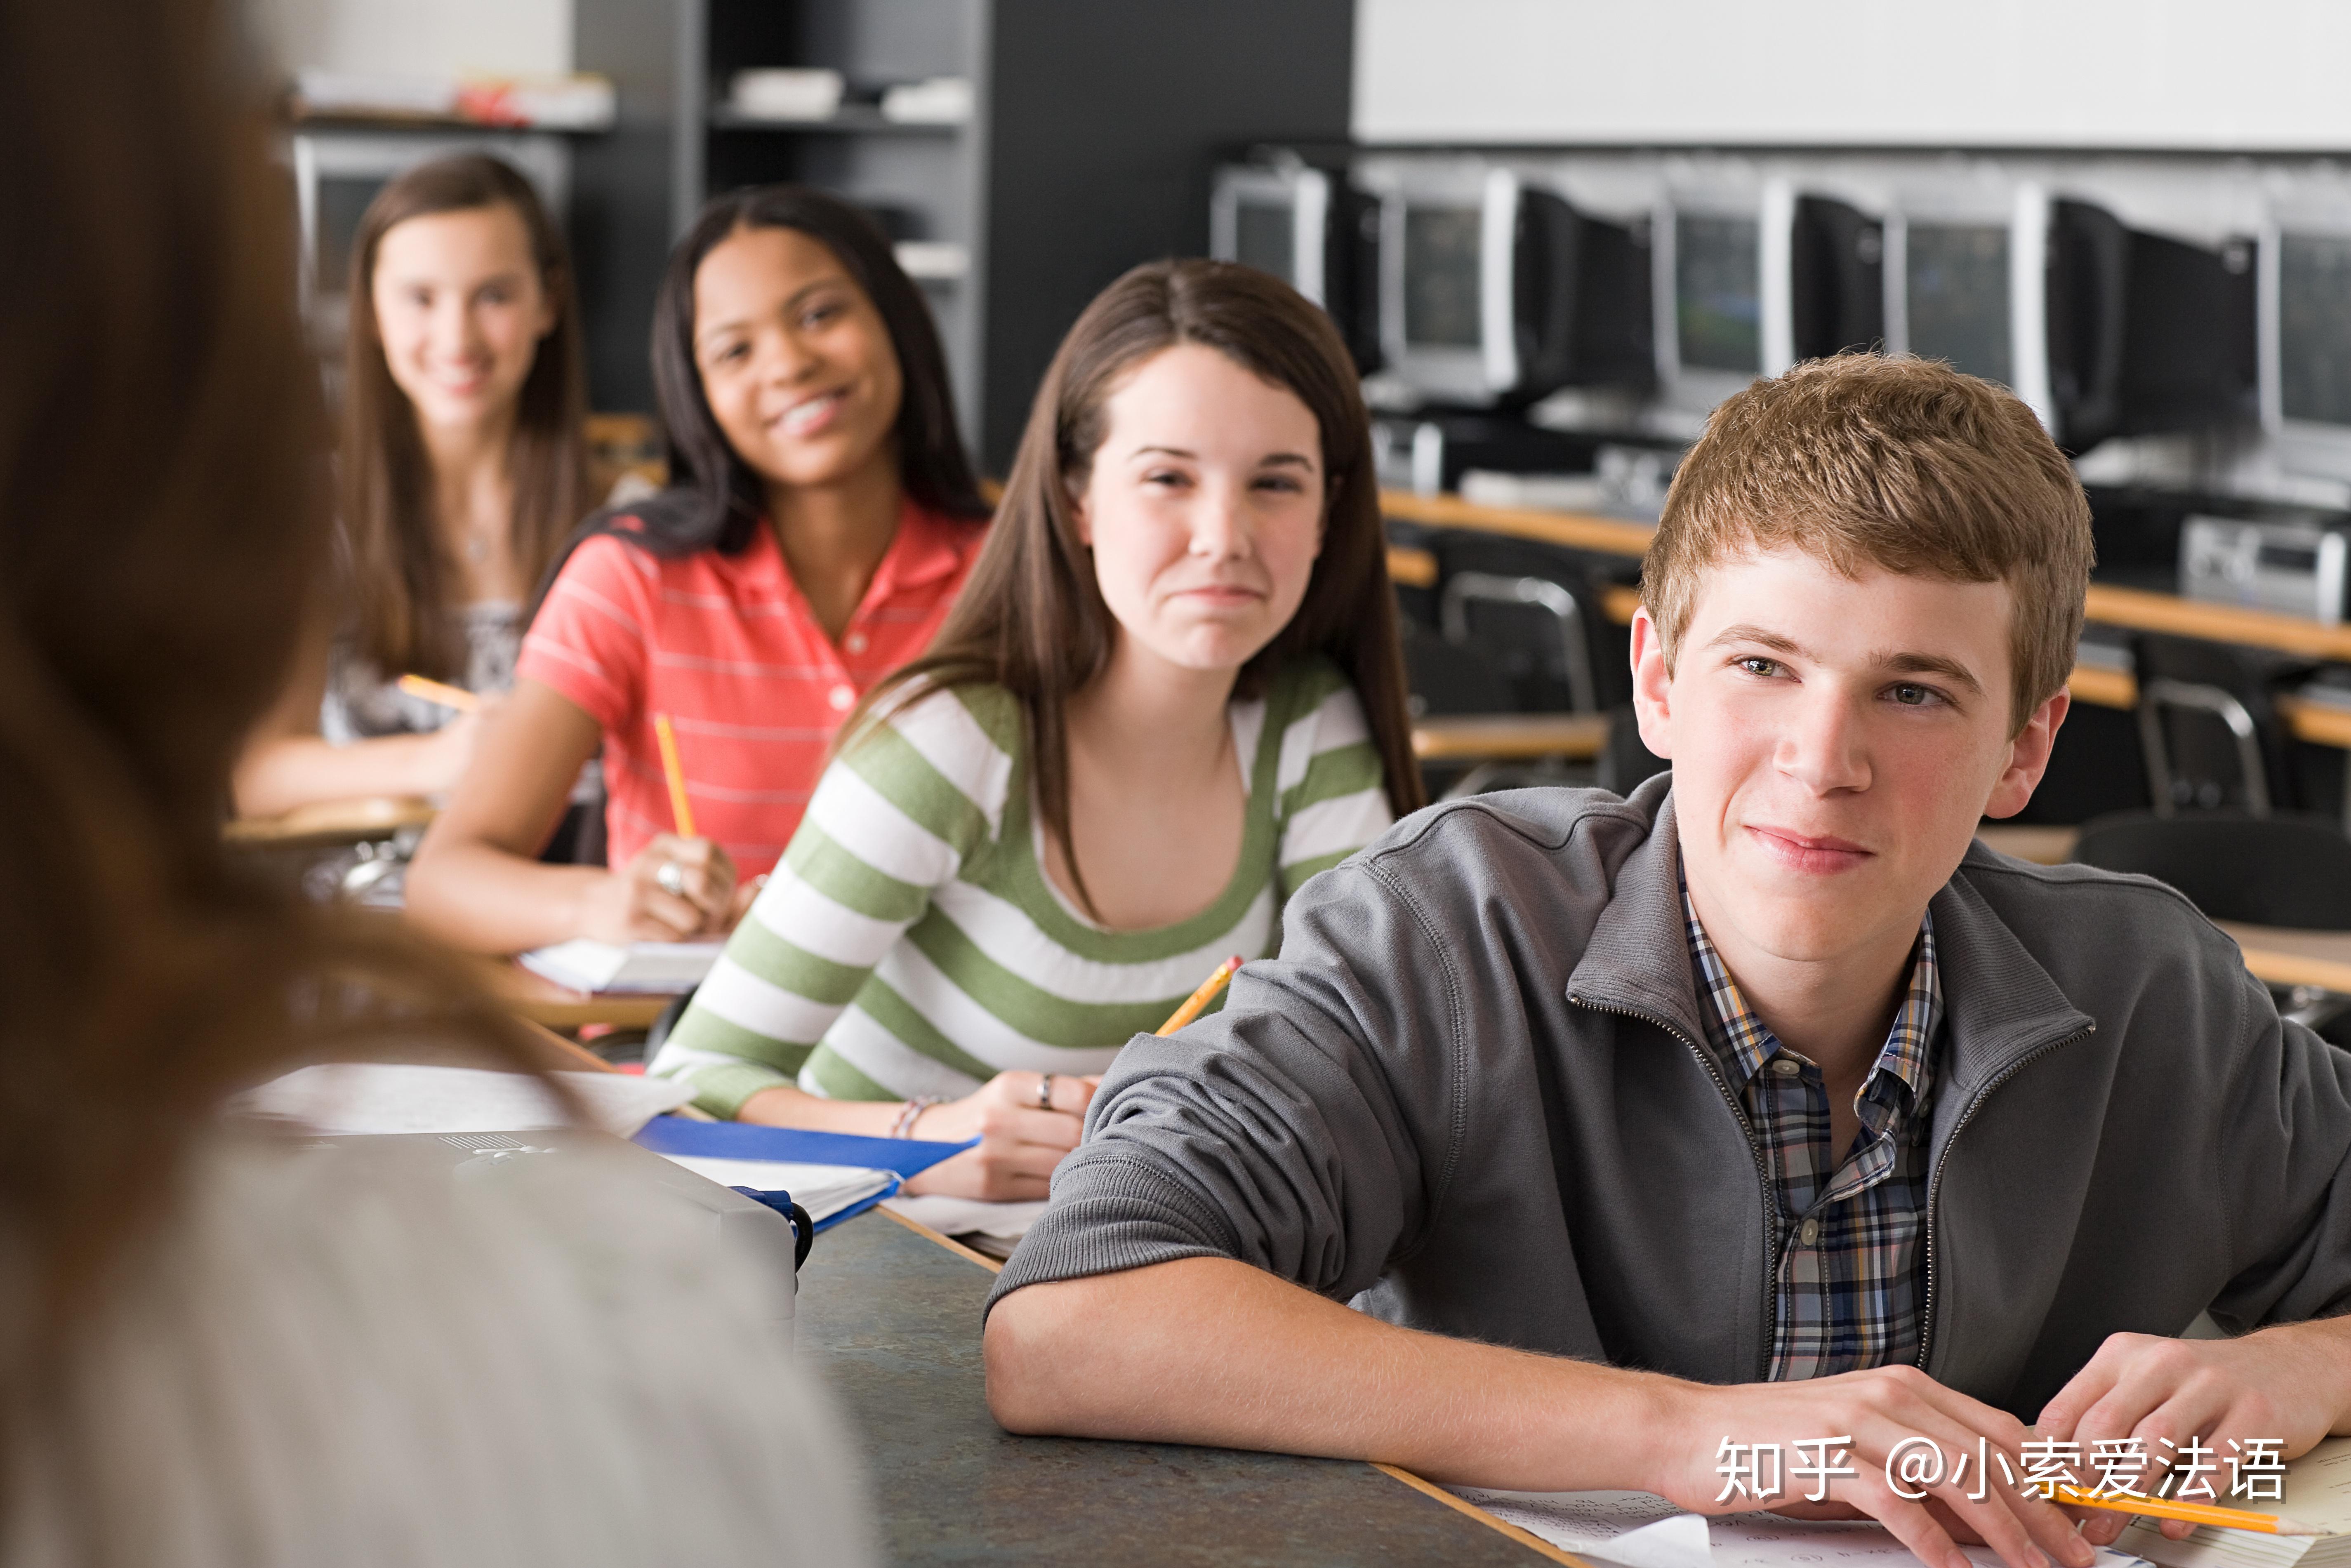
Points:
644	969
2317	1493
1639	1530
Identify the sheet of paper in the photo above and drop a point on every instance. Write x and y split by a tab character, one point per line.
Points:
1641	1530
969	1216
384	1097
658	969
823	1190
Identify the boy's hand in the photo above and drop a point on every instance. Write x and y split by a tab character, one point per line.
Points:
1874	1413
2291	1382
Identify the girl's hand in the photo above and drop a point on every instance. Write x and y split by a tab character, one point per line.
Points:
1022	1136
675	890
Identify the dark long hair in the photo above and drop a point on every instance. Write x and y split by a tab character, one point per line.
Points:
399	570
163	534
1032	619
714	500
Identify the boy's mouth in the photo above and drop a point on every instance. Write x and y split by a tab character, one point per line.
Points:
1808	851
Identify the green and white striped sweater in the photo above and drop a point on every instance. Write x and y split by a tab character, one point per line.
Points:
908	943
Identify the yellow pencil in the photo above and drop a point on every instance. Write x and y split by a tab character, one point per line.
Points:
440	692
680	808
2193	1512
1201	998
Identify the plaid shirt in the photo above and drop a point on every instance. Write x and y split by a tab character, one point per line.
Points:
1850	1241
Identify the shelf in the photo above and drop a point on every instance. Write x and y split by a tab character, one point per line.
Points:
849	120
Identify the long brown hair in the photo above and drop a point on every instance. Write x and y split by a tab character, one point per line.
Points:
1032	619
162	529
399	569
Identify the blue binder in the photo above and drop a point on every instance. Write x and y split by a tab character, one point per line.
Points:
747	1141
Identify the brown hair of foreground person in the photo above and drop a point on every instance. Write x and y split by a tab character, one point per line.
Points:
160	529
1901	464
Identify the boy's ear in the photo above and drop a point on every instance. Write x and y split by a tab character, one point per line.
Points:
1652	686
2028	756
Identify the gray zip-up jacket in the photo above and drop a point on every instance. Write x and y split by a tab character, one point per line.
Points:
1472	1096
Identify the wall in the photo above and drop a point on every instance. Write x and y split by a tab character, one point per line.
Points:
2250	75
419	37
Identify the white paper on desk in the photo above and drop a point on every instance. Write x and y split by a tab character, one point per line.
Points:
641	968
385	1097
969	1216
823	1190
1641	1530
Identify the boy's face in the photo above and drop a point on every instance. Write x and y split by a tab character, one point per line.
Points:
1834	743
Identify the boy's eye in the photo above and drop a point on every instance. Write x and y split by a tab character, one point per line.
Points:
1756	664
1911	696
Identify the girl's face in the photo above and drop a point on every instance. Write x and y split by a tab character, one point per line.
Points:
796	362
1204	508
461	308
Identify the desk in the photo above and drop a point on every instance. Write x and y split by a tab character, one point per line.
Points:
540	1000
328	822
2133	607
2282	958
890	1319
1509	737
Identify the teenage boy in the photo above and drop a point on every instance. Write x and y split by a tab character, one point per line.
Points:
1759	1107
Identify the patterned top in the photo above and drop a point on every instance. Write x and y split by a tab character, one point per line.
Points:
909	942
363	701
727	646
1850	1237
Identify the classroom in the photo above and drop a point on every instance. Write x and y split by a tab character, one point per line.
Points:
842	782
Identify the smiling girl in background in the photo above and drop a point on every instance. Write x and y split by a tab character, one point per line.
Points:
821	520
462	475
1170	693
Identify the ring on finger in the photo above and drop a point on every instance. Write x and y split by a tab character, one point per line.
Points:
1045	1092
671	879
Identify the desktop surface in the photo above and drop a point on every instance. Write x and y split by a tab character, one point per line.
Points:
889	1320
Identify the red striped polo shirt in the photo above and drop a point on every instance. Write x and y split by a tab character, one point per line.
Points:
727	647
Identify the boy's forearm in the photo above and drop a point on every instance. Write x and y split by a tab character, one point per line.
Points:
1210	1351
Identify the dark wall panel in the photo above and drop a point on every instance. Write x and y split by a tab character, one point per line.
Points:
1104	122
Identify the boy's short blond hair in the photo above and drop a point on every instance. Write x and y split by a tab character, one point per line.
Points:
1905	465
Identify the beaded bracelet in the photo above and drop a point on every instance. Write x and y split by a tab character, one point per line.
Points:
903	1127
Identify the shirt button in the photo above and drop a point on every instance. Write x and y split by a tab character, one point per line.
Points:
841	698
854	641
1809	1232
1786	1066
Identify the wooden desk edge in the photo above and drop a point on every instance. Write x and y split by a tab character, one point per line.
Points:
1526	1538
1459	1505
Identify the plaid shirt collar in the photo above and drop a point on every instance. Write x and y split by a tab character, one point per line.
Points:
1744	1045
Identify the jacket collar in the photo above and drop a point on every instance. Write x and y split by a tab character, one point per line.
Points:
1999	1004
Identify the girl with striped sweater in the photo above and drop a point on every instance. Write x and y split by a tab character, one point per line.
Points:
1171	692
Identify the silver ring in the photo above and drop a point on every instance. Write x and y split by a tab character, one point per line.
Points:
1045	1092
671	879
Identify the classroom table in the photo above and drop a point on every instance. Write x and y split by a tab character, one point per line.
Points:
2134	608
542	1001
889	1319
328	823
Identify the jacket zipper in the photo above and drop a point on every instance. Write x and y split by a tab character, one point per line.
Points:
1762	1171
1935	1181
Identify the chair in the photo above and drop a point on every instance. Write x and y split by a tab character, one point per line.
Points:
1535	610
2290	869
2208	728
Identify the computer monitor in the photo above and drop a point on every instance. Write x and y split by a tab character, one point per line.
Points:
2103	329
1836	279
1496	288
2305	337
1312	227
1722	281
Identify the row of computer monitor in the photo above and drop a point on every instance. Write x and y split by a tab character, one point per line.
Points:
1471	281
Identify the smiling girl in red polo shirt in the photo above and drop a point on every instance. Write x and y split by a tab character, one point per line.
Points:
823	519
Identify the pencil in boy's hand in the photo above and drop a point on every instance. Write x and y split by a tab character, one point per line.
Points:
2191	1513
680	810
1201	998
440	692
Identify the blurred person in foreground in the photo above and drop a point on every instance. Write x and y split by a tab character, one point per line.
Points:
216	1347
